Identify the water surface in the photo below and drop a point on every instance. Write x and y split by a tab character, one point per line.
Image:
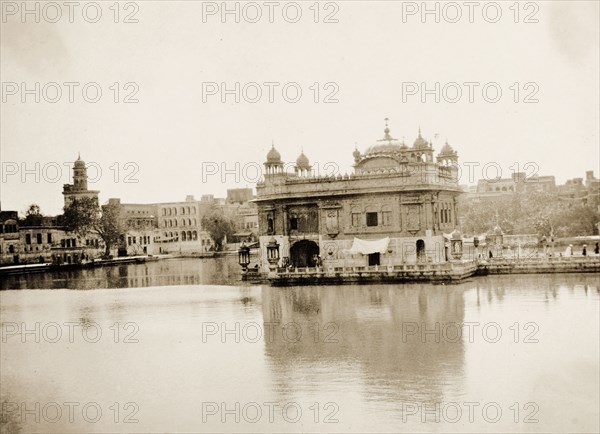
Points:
182	343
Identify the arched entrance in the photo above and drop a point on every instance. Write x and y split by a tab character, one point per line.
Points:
304	253
421	251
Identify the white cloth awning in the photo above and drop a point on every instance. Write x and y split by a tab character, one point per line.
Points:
367	247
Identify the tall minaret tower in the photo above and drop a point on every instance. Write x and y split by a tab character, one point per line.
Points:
79	175
79	188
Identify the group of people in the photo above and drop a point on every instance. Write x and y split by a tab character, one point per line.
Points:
569	250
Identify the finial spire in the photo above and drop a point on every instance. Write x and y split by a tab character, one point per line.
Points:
387	130
419	130
78	155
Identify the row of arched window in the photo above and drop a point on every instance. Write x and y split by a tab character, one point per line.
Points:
185	236
184	210
445	213
173	223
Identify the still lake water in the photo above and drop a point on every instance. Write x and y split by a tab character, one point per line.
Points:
182	346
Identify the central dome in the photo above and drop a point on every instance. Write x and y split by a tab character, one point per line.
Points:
384	148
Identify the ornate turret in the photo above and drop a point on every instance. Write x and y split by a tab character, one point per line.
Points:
273	163
420	142
447	155
302	167
79	175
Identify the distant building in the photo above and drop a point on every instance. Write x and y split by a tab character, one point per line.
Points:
43	240
584	192
518	183
400	196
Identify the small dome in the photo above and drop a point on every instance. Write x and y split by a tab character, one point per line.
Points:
302	162
456	235
273	156
420	142
79	162
356	154
447	150
497	230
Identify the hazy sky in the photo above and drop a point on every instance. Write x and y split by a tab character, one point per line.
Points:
174	140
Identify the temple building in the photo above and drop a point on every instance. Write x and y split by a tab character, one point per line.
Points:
393	210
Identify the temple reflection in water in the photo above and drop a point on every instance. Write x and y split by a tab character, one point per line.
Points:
377	329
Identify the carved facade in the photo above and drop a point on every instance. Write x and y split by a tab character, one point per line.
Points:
396	191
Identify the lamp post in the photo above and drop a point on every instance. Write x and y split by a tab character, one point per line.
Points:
244	257
456	244
273	255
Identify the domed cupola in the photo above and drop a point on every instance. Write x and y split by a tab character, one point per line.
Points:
420	142
447	155
79	163
302	165
273	163
388	145
273	156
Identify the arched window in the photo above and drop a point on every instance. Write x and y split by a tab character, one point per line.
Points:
174	211
182	222
356	217
386	215
195	235
189	222
182	210
182	235
189	235
188	210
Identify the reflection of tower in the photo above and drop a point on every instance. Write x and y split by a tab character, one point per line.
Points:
79	188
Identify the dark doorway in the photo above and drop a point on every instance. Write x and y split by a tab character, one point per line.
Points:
421	251
374	259
304	253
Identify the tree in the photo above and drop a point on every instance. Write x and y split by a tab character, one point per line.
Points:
83	216
537	212
33	215
218	226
